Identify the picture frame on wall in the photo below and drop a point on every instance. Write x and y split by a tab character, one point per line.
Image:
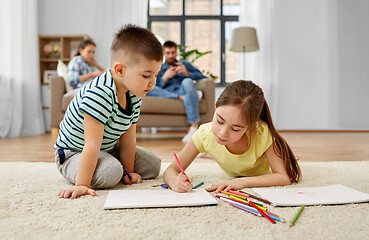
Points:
48	74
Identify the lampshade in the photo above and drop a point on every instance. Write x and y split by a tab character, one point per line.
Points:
244	39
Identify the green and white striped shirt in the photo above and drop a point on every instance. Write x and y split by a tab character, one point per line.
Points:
99	100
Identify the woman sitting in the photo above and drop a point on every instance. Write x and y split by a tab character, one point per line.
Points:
83	67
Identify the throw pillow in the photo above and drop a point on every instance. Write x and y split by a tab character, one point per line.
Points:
62	71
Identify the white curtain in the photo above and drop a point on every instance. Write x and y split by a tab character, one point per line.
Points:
100	19
113	14
20	101
262	65
21	21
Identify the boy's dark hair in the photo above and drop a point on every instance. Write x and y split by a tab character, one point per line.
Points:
134	41
169	44
83	44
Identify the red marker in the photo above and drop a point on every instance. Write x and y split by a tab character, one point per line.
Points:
179	164
261	211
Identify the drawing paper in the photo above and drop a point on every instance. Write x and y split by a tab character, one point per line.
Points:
333	194
157	198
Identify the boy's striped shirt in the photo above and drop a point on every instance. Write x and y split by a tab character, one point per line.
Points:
99	100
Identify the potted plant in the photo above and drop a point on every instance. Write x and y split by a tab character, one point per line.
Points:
192	56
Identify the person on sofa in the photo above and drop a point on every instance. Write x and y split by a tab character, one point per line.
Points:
176	80
83	66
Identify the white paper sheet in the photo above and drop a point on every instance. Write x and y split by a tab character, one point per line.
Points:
157	198
334	194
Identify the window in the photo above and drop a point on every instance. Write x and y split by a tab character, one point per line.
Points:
205	25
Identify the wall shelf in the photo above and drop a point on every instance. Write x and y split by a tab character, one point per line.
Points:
55	47
51	49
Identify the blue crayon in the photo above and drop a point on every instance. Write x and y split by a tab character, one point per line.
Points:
198	185
129	176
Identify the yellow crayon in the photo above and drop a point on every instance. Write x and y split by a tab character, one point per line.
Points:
233	194
245	201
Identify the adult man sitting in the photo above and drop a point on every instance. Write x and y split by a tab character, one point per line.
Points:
176	80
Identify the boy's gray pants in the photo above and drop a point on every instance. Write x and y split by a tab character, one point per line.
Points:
109	170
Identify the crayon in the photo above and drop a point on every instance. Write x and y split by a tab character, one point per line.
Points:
198	185
297	215
130	177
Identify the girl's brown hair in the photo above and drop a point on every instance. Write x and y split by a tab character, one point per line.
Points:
255	108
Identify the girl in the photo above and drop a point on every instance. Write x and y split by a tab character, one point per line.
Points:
83	67
243	141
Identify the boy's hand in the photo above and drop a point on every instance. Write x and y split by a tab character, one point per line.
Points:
182	183
76	192
136	178
234	184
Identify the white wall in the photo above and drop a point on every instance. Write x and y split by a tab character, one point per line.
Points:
353	64
323	64
315	59
304	47
96	18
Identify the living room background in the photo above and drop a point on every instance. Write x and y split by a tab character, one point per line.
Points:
311	63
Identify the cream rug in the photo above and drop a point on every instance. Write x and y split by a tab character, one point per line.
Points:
30	209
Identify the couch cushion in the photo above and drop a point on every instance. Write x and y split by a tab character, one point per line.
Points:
62	71
155	105
65	102
160	105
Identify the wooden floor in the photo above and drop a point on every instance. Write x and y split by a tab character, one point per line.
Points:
307	146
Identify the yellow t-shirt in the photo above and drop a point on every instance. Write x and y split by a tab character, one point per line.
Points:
253	162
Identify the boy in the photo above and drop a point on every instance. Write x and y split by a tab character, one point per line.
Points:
96	144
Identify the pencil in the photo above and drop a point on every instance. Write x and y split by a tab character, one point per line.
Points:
246	210
234	194
239	203
241	200
250	209
245	195
262	212
198	185
243	204
248	202
130	177
179	164
297	215
258	198
230	200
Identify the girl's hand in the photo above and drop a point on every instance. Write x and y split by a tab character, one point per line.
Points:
136	178
76	192
182	183
234	184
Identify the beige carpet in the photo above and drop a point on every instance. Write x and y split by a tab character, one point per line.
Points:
30	209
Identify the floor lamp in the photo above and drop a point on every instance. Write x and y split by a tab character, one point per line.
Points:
244	40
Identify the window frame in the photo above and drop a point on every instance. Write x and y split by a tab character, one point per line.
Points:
182	20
